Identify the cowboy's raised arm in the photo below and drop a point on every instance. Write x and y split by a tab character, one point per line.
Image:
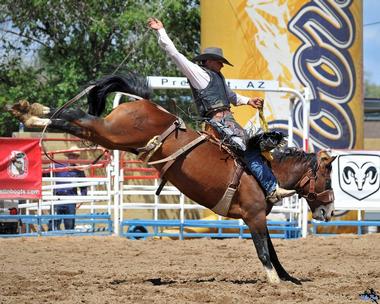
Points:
196	75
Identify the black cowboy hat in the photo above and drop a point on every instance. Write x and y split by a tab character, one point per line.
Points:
212	53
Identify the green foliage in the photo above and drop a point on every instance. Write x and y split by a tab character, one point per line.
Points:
51	49
371	90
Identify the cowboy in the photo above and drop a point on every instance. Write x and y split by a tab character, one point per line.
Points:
213	99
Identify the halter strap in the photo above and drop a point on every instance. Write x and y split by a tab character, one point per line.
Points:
326	196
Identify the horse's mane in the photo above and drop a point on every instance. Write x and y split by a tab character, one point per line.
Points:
130	83
282	154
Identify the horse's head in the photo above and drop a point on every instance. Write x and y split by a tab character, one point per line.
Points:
315	187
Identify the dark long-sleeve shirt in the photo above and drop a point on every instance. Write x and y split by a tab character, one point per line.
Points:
70	173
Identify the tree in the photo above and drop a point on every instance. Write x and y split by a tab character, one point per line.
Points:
371	90
51	50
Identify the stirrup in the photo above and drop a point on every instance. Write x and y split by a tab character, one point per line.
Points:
276	196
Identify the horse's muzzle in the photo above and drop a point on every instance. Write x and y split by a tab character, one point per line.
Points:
324	212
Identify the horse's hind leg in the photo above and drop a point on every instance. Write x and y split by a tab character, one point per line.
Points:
83	120
69	128
283	274
257	226
72	114
90	127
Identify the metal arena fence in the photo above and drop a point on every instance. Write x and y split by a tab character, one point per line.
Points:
133	210
121	200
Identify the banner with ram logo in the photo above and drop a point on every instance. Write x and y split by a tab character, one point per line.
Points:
356	180
299	43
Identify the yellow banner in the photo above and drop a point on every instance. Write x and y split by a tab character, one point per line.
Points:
300	43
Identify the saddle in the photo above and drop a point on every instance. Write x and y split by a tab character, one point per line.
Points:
266	141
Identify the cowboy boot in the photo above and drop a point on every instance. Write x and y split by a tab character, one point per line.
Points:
278	194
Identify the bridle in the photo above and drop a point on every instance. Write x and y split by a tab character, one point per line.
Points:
310	177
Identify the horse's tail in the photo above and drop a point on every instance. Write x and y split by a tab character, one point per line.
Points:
130	83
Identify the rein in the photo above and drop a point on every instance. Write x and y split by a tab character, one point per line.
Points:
309	177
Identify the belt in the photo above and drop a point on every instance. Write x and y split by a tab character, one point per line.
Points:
213	113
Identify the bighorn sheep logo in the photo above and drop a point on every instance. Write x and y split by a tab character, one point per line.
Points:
359	175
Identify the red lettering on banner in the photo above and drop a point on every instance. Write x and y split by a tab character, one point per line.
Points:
20	168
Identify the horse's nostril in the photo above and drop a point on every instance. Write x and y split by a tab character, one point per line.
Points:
332	213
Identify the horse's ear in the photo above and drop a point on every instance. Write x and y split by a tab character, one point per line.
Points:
326	156
331	159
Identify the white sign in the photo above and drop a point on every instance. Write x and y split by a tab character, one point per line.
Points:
161	82
356	180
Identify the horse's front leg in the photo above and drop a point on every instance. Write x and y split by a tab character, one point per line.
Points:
283	274
257	226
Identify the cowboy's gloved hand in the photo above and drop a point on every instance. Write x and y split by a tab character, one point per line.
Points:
256	102
155	24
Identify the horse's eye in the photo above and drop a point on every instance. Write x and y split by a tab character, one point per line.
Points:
328	184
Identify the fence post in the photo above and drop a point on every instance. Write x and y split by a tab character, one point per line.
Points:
116	192
39	213
306	116
304	211
116	181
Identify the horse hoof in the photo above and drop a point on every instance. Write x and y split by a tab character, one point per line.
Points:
273	277
291	279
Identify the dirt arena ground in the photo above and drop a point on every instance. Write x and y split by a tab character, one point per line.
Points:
117	270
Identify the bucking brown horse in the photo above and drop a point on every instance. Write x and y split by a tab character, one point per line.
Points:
194	162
